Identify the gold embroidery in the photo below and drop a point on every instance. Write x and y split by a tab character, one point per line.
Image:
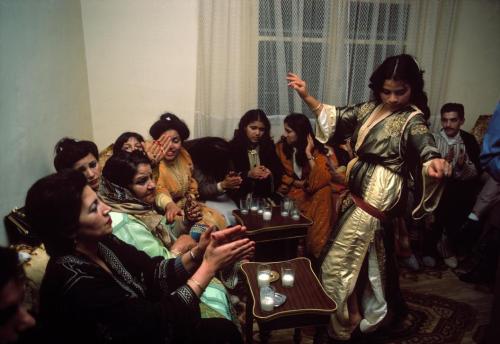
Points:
366	109
419	129
393	126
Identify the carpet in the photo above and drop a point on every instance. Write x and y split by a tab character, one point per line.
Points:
431	319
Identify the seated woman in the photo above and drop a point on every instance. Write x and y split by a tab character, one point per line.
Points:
129	189
212	171
307	179
98	289
254	157
177	190
79	155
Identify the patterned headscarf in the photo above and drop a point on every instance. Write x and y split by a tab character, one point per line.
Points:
122	200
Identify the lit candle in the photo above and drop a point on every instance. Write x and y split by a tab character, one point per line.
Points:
287	280
244	211
266	215
284	213
263	279
254	208
260	211
267	303
295	216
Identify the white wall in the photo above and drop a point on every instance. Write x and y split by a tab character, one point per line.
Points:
43	91
141	61
474	74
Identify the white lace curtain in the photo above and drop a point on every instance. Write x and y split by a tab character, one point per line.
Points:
246	48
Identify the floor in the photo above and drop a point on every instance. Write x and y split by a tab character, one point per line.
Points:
445	284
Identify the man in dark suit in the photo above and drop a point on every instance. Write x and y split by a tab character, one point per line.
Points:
461	150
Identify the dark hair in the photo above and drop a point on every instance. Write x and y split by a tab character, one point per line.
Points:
302	126
120	141
121	168
10	267
68	151
166	122
53	206
454	107
211	155
401	68
240	137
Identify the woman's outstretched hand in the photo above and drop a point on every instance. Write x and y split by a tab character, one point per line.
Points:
439	168
225	248
299	85
171	211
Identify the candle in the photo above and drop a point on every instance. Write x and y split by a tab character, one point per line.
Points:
260	211
284	213
263	279
254	208
244	211
296	216
267	303
266	215
287	280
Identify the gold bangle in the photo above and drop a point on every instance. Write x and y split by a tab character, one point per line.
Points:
198	284
317	107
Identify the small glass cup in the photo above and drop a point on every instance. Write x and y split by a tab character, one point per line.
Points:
287	275
285	206
255	204
294	211
263	275
267	298
244	205
267	212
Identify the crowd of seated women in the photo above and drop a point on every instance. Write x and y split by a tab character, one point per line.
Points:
137	234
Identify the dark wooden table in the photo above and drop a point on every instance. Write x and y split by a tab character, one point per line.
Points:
307	303
275	239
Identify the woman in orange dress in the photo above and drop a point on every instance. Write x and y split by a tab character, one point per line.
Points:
307	179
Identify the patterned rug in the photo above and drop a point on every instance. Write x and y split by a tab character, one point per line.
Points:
431	319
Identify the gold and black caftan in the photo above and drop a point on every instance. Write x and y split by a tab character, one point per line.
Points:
385	148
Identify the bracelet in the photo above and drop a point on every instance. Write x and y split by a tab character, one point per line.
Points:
193	257
317	107
197	283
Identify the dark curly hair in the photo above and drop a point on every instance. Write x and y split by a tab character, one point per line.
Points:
169	121
401	68
120	141
121	168
302	126
68	151
53	206
240	138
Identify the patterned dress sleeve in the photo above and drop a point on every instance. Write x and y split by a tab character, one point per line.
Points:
319	176
163	196
338	121
418	138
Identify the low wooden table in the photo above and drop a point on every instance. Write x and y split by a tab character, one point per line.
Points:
275	239
307	303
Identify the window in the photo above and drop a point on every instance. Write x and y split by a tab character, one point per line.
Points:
315	38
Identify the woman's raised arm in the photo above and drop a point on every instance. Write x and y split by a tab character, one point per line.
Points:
300	86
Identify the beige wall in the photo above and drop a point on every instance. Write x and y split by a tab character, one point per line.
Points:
141	61
474	75
43	90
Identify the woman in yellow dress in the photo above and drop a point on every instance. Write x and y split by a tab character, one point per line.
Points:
177	190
